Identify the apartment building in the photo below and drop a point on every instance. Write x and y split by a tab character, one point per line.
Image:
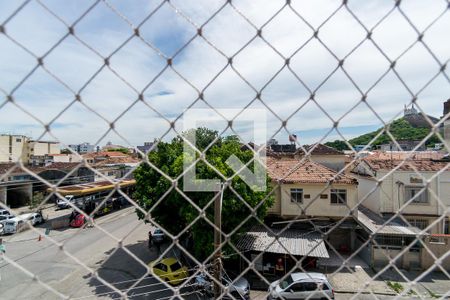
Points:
13	148
19	147
403	188
82	148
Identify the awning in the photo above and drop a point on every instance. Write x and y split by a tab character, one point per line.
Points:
290	241
375	224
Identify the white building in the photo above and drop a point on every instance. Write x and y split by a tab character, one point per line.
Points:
82	148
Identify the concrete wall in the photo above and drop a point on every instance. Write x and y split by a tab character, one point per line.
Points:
334	162
3	194
275	209
14	147
393	194
41	148
315	207
368	190
439	246
67	158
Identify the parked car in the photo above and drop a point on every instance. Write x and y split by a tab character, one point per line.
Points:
64	203
78	221
1	228
169	270
4	218
158	236
4	212
302	286
17	223
240	289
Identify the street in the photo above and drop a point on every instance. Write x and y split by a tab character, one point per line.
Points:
65	271
91	246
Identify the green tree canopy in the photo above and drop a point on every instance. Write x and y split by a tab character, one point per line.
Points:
400	129
174	212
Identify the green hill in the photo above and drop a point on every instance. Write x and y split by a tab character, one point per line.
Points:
400	129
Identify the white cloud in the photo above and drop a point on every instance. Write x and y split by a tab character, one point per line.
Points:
199	63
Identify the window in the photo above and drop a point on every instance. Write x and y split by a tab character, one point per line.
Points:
161	267
18	140
298	287
297	195
419	223
310	286
338	196
418	194
323	196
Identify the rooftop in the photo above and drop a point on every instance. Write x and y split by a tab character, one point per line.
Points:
425	165
376	224
290	241
307	171
320	149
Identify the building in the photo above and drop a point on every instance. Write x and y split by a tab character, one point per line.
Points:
82	148
18	185
49	159
325	155
110	146
111	164
403	145
309	190
13	148
403	188
19	147
447	122
148	146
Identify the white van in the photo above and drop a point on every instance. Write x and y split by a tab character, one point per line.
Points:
18	223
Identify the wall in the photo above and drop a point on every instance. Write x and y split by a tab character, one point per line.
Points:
3	194
366	191
316	207
439	247
16	151
334	162
42	148
67	158
393	197
275	209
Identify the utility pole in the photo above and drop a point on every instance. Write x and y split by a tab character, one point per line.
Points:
218	241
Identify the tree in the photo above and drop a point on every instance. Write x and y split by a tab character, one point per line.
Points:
174	212
338	145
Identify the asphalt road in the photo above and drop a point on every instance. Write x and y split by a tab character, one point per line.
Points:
62	270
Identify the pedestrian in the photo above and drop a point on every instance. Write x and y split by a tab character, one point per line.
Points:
2	247
279	267
150	238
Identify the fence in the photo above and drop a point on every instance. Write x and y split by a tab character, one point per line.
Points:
375	222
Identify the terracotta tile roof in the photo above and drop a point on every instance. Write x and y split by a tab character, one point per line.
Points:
292	171
401	155
320	149
117	160
5	167
105	154
426	165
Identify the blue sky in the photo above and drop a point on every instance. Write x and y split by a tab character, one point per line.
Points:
112	93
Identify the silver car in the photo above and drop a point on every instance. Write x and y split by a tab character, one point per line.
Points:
240	289
302	286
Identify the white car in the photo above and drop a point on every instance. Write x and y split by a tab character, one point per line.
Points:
302	286
4	212
16	224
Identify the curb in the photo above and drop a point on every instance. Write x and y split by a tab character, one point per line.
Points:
365	292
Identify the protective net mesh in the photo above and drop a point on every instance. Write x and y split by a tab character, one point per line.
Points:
375	223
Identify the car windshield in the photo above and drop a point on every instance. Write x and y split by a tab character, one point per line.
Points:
287	282
158	231
176	266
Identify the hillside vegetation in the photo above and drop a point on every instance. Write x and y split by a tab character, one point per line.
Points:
400	130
